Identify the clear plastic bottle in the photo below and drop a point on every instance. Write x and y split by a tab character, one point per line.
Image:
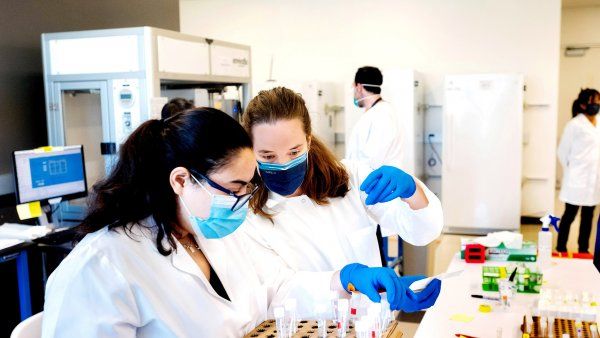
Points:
545	240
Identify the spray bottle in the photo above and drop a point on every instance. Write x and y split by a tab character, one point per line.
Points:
545	240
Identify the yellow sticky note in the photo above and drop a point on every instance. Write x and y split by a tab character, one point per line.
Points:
29	210
461	317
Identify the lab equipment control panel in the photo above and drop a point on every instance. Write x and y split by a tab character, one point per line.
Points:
126	107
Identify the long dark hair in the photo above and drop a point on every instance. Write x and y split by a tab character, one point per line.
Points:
203	140
325	177
586	96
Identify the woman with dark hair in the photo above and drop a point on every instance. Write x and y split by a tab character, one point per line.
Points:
579	155
320	214
161	256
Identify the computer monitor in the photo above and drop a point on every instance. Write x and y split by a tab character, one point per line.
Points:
47	173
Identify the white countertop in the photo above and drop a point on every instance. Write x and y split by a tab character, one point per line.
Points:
571	274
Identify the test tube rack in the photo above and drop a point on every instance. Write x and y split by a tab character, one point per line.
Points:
526	281
308	329
560	326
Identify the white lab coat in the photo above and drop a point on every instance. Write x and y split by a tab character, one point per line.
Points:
118	285
312	237
377	137
579	155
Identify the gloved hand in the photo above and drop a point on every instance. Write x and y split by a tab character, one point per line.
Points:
372	281
386	183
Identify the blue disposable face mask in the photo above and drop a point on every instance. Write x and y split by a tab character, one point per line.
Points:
356	101
284	179
221	221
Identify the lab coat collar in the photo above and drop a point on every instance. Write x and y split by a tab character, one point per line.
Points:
584	120
219	262
276	201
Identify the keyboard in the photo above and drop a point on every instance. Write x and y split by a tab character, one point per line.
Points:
58	237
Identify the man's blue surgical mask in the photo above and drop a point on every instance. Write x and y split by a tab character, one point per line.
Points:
284	179
221	221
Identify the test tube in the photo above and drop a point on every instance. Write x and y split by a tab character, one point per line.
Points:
579	328
333	299
290	316
594	330
386	313
374	312
279	314
544	326
321	311
368	325
354	305
342	316
529	322
361	329
550	326
506	292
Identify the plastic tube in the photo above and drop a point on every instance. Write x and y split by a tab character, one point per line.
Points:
342	316
279	314
290	315
354	306
321	312
594	330
374	312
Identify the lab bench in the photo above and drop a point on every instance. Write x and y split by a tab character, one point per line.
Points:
456	312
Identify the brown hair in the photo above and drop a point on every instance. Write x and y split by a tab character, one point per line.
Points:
325	176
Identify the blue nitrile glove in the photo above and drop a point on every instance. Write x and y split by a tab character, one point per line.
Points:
372	281
386	183
424	299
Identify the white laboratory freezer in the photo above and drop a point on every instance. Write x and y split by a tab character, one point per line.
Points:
482	154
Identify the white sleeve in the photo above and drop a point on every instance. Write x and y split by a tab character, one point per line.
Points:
564	147
89	298
282	282
417	227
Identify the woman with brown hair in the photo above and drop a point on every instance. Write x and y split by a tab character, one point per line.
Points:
317	213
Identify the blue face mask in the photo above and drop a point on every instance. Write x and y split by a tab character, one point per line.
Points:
284	179
221	221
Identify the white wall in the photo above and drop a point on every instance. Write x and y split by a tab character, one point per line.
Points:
328	40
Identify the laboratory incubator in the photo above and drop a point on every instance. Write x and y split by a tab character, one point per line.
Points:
101	84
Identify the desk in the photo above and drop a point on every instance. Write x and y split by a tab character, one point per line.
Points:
455	298
19	253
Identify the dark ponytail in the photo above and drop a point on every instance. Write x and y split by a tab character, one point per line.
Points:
138	187
585	97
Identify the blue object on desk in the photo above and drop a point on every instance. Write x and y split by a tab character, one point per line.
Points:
22	277
23	281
